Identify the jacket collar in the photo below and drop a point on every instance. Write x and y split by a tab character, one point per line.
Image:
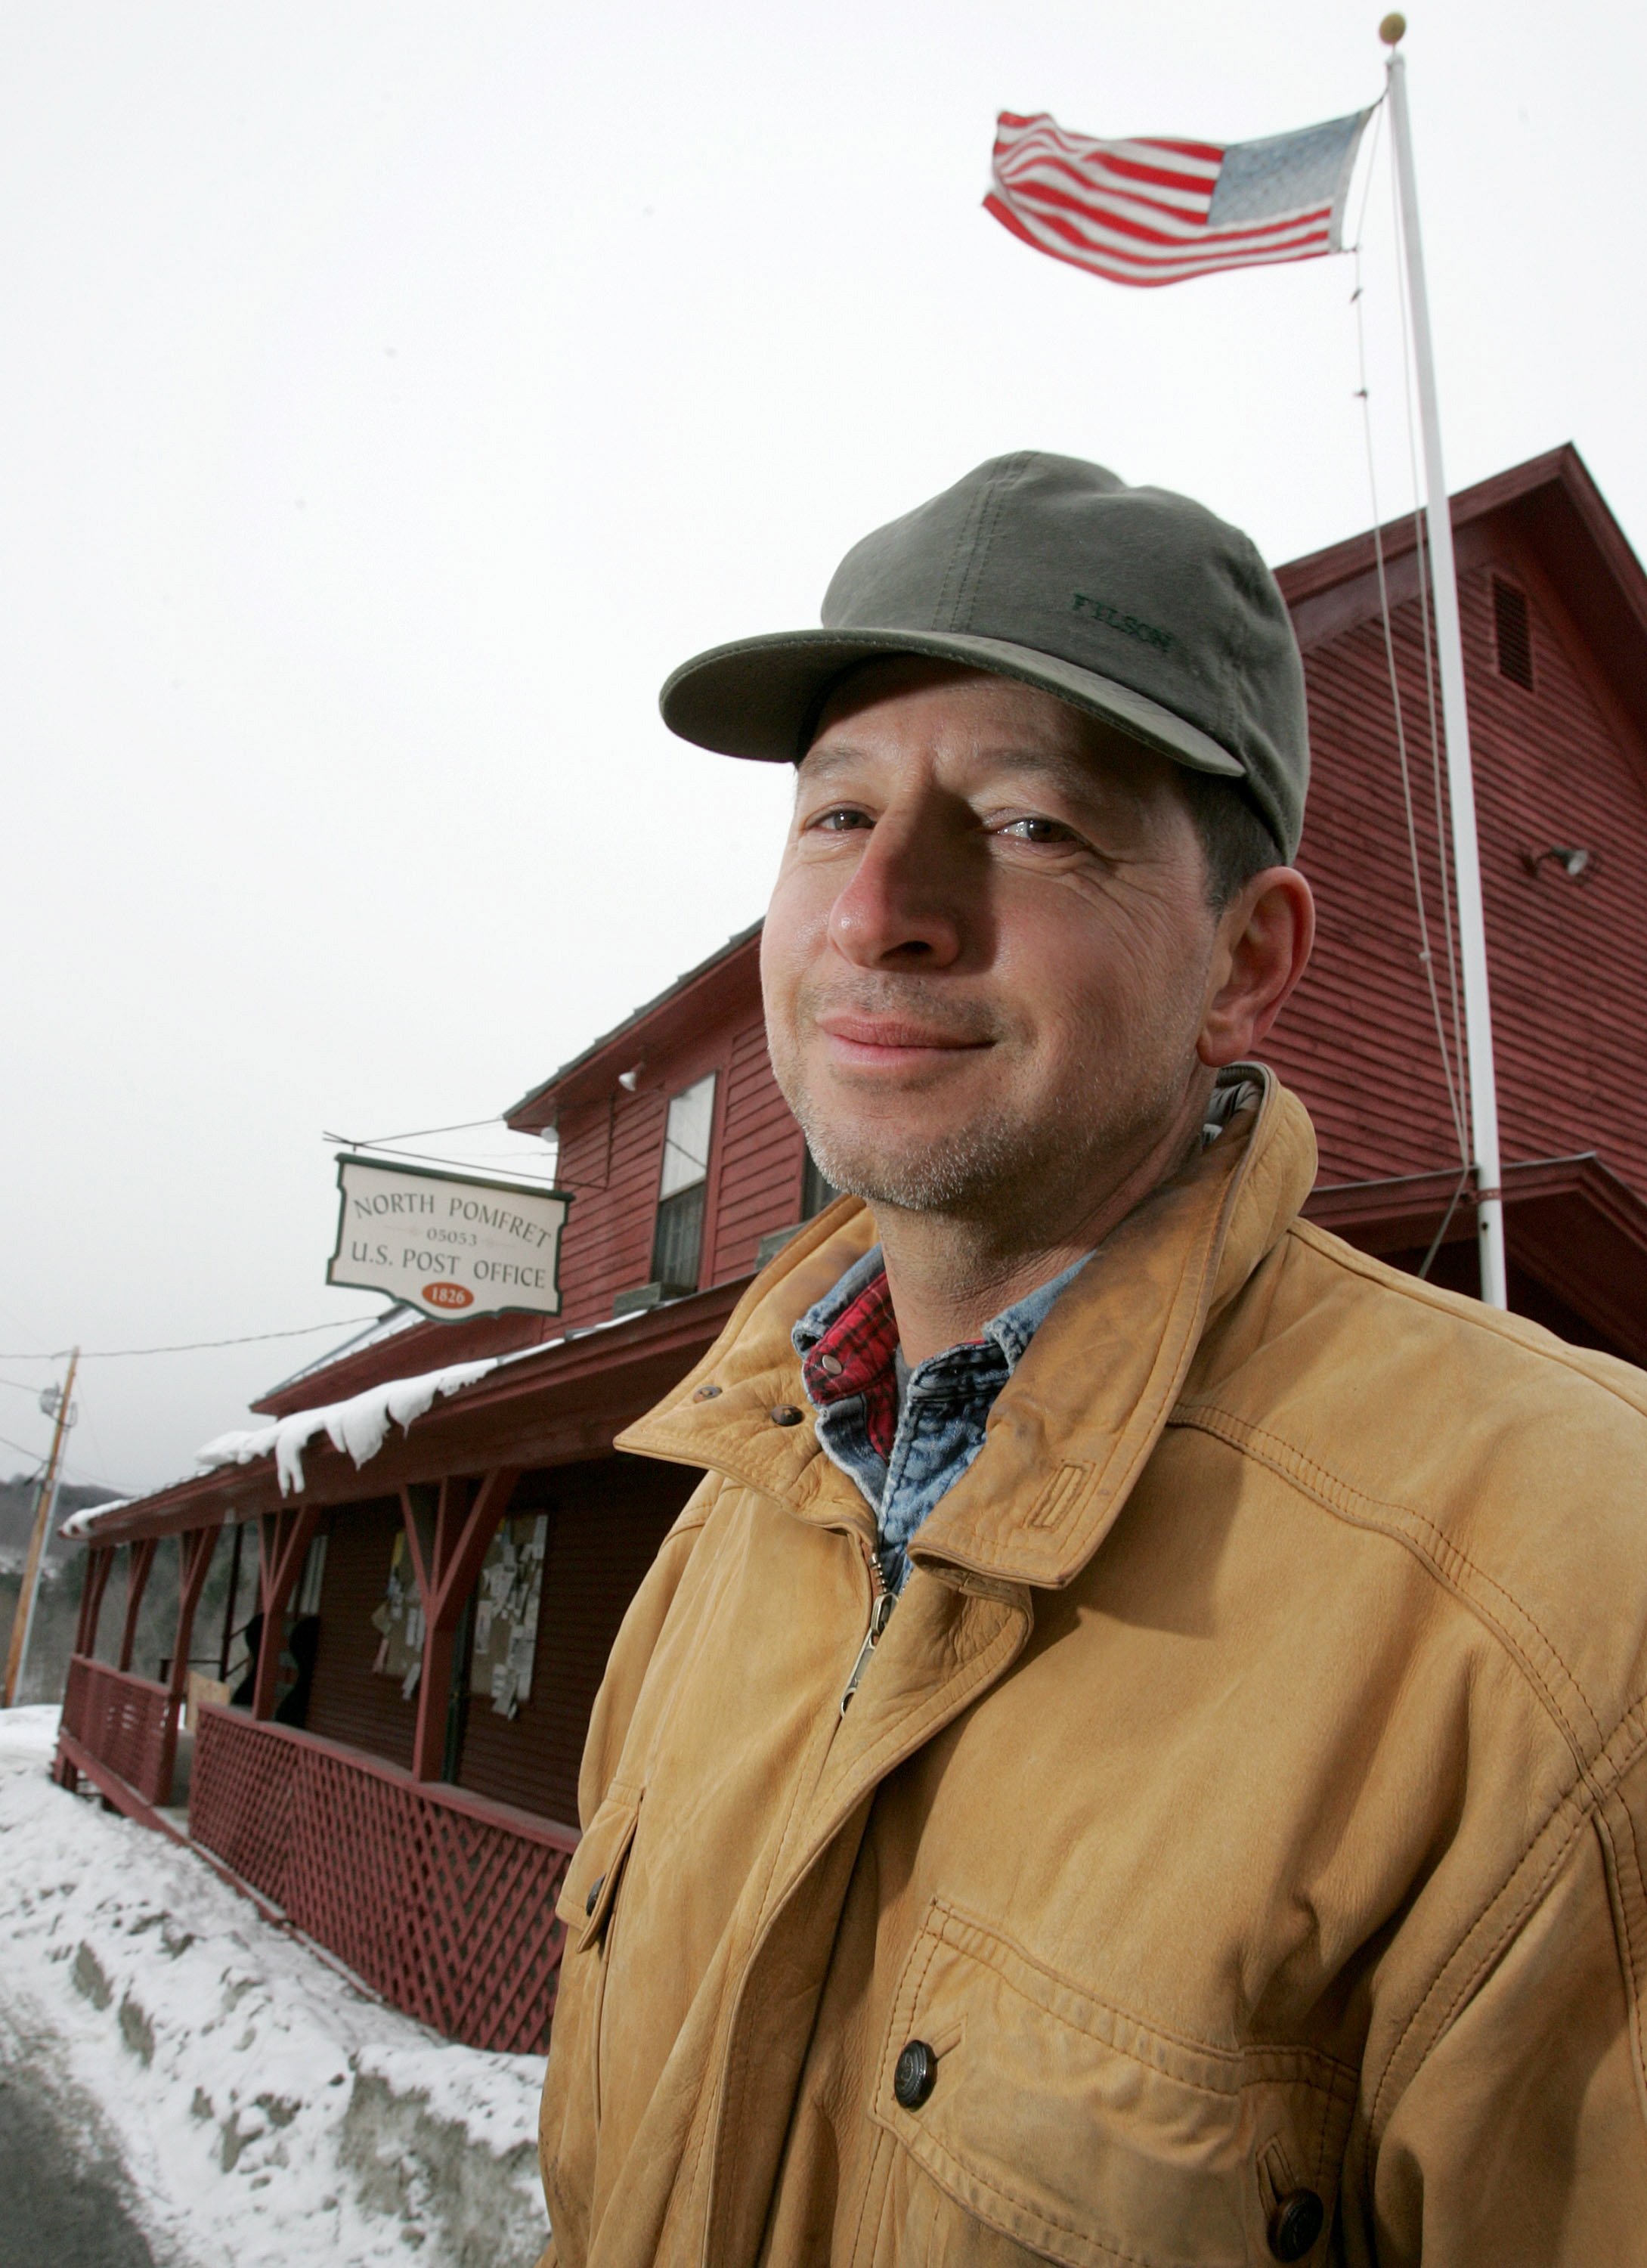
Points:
1074	1426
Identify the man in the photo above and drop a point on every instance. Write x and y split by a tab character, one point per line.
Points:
1136	1752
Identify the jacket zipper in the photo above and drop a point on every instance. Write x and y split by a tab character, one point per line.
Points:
883	1601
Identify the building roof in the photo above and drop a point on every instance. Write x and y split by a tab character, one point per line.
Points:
548	1405
676	1003
1551	504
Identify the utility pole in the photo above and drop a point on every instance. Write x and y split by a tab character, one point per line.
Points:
45	1506
1466	857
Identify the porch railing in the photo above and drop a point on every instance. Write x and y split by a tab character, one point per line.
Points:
442	1901
125	1722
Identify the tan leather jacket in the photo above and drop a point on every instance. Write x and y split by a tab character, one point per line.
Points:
1246	1806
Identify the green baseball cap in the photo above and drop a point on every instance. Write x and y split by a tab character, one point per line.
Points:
1141	606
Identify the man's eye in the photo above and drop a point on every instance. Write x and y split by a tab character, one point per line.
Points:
1038	830
840	819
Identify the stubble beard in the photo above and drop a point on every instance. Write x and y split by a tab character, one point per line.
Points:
1007	1160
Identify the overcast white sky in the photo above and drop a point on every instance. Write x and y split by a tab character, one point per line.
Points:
391	394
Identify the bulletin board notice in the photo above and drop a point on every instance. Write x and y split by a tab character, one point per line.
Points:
506	1614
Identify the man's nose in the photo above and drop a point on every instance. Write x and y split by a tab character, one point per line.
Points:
902	907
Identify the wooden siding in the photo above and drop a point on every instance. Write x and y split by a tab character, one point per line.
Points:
762	1155
1568	959
349	1701
1357	1040
607	1521
611	1154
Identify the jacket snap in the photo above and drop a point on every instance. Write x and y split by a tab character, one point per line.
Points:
915	2075
785	1413
706	1394
1295	2224
595	1888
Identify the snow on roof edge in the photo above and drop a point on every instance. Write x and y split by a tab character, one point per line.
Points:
80	1524
359	1424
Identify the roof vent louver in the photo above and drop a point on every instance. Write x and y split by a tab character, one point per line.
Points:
1513	628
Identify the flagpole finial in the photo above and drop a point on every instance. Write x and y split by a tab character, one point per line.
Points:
1393	30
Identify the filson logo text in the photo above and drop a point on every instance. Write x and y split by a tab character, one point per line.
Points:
1130	626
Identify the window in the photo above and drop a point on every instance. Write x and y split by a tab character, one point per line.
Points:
1513	626
313	1577
677	1238
816	1192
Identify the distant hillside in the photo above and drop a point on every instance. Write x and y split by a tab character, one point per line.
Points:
17	1512
60	1586
155	1635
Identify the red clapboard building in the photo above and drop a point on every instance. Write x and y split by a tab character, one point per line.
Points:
397	1776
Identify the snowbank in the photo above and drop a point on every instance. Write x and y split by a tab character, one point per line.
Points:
360	1424
266	2110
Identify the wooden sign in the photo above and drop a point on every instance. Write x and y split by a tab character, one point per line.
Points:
446	1245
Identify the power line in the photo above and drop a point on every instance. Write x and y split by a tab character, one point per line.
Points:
35	1458
196	1346
503	1160
410	1134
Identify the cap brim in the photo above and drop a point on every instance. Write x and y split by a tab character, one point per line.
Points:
755	698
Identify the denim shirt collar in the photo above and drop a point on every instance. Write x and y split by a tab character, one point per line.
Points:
905	1435
1012	1331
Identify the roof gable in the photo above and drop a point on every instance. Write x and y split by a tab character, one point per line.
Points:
717	986
1549	508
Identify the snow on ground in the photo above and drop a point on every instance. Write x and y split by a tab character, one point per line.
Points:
264	2107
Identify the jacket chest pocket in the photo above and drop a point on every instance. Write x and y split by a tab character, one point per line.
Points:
1056	2127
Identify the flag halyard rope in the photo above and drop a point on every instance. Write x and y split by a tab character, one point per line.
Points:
1426	613
1425	953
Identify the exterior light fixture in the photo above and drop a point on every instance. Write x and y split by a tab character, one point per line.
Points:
1572	861
629	1080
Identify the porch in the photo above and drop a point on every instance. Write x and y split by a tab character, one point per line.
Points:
442	1901
412	1820
439	1900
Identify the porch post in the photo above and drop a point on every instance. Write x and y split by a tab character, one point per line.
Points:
229	1602
283	1541
94	1583
196	1548
459	1548
141	1559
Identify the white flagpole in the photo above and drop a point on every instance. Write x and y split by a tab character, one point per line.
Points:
1467	863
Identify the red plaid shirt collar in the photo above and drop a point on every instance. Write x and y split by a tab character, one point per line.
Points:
858	1354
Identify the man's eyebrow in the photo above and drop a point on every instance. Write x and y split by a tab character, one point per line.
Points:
837	757
1064	767
1074	771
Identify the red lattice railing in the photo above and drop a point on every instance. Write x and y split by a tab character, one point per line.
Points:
440	1901
128	1723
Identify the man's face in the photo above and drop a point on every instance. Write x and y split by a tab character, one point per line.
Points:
986	960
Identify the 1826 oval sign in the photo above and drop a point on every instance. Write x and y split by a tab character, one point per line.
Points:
448	1295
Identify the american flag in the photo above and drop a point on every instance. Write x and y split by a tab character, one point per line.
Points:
1158	209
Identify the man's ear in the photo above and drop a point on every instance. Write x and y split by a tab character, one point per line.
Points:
1265	935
